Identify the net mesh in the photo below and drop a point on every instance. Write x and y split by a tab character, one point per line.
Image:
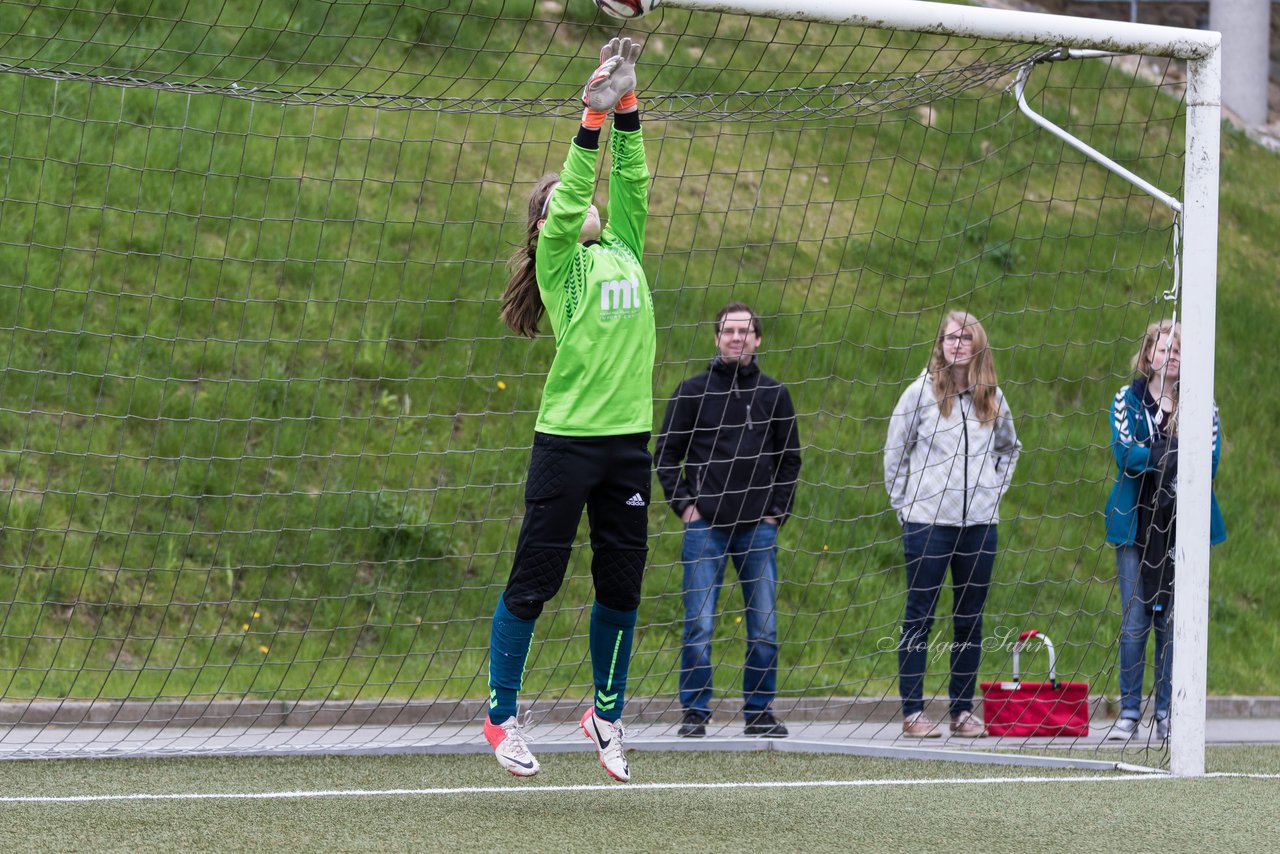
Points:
263	437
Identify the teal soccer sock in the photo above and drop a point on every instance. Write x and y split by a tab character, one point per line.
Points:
509	641
611	633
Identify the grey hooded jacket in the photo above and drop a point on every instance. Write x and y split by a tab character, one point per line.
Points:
948	471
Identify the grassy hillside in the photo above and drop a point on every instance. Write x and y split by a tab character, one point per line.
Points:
261	431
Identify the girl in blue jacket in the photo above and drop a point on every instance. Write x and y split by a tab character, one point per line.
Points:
1144	433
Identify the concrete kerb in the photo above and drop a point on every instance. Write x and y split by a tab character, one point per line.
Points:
555	730
330	713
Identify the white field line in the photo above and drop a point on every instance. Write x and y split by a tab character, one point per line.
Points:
615	787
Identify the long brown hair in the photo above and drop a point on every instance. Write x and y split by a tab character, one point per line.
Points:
1141	362
522	307
982	370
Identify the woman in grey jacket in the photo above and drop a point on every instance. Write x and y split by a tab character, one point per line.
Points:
948	461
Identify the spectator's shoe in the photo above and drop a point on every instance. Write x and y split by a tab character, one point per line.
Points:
510	746
765	724
965	725
1123	730
1162	728
607	737
693	725
919	725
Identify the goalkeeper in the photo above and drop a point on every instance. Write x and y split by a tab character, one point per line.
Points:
590	445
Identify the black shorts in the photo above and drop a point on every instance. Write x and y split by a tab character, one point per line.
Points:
608	475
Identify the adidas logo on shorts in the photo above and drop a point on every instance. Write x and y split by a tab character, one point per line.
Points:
635	501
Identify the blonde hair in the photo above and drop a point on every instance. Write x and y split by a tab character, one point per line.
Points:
982	370
1141	361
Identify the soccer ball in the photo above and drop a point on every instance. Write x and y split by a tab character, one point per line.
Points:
627	8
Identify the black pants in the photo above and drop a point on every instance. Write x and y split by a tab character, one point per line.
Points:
610	476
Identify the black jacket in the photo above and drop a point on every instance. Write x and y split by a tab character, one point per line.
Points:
1157	525
729	445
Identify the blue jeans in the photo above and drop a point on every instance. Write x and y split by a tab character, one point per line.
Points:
1135	625
970	552
706	551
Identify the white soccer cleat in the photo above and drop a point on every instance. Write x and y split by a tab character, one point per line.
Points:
510	746
607	737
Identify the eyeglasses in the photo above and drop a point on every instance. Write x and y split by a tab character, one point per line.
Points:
958	337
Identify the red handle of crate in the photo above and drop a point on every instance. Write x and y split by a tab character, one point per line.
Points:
1053	659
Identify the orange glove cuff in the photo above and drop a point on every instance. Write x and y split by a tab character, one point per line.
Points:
592	119
626	102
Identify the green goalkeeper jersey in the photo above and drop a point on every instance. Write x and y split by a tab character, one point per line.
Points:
598	300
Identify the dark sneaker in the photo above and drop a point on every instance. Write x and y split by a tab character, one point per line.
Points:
693	725
766	725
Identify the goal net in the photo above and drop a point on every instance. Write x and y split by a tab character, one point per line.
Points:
263	436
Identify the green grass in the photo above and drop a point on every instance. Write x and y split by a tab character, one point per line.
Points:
262	433
916	814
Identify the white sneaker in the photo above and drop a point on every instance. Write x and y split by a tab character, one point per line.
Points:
511	746
919	725
1123	730
1162	729
607	737
967	725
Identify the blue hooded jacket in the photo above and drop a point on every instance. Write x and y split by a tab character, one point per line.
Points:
1132	431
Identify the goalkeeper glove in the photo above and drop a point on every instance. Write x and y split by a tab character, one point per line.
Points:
598	95
625	77
613	82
